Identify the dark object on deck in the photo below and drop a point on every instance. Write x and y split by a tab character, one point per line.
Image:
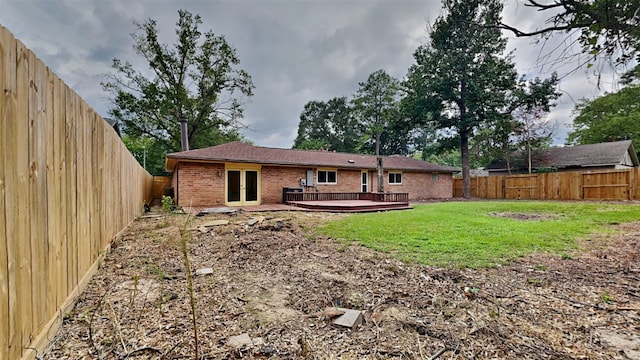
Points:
286	190
147	208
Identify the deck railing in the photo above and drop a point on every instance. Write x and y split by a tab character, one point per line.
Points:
336	196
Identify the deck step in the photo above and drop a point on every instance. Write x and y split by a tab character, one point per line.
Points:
320	206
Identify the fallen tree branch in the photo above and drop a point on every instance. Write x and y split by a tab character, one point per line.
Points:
139	350
438	354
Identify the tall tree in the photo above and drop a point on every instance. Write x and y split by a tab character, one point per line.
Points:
462	73
195	79
327	125
313	129
533	133
607	27
377	106
612	117
523	127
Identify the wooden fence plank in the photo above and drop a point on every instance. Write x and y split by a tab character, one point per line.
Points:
636	182
12	332
22	188
5	63
60	203
38	191
96	241
53	195
615	184
63	190
82	215
72	188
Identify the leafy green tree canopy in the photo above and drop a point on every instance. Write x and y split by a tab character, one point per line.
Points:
461	75
327	125
607	27
149	153
464	82
377	104
195	79
371	118
612	117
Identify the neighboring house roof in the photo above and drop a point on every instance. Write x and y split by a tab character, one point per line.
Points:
115	124
245	153
591	155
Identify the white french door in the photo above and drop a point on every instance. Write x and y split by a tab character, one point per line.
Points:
365	181
242	186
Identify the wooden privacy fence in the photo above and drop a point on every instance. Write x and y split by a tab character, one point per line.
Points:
160	183
587	185
67	187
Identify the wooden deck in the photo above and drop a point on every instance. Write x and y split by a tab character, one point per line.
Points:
338	206
328	202
349	206
348	202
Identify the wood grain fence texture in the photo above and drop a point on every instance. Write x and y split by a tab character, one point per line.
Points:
586	185
160	183
68	186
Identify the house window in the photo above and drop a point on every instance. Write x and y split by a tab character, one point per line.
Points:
435	177
327	177
395	178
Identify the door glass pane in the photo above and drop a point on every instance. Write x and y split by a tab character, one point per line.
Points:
233	185
251	185
364	182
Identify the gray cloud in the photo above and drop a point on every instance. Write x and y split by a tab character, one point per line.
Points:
296	51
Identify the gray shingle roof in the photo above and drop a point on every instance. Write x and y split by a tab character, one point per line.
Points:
602	154
245	153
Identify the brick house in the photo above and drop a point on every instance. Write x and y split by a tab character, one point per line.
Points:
236	174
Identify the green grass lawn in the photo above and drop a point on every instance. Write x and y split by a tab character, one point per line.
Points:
469	234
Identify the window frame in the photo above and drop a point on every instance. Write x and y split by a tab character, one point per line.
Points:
326	171
435	177
395	177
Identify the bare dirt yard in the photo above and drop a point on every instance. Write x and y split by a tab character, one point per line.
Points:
263	282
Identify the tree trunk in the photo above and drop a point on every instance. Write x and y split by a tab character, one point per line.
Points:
380	175
464	150
529	154
379	165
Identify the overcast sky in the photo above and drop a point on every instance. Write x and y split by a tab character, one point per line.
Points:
295	51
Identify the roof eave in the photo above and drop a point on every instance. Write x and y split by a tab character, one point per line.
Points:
171	162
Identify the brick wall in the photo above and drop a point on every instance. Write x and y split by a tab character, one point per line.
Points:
274	178
200	184
422	186
348	181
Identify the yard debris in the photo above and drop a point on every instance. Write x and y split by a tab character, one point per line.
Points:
255	220
151	216
218	210
628	343
351	319
144	289
204	227
204	271
215	223
273	279
243	341
274	225
328	313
